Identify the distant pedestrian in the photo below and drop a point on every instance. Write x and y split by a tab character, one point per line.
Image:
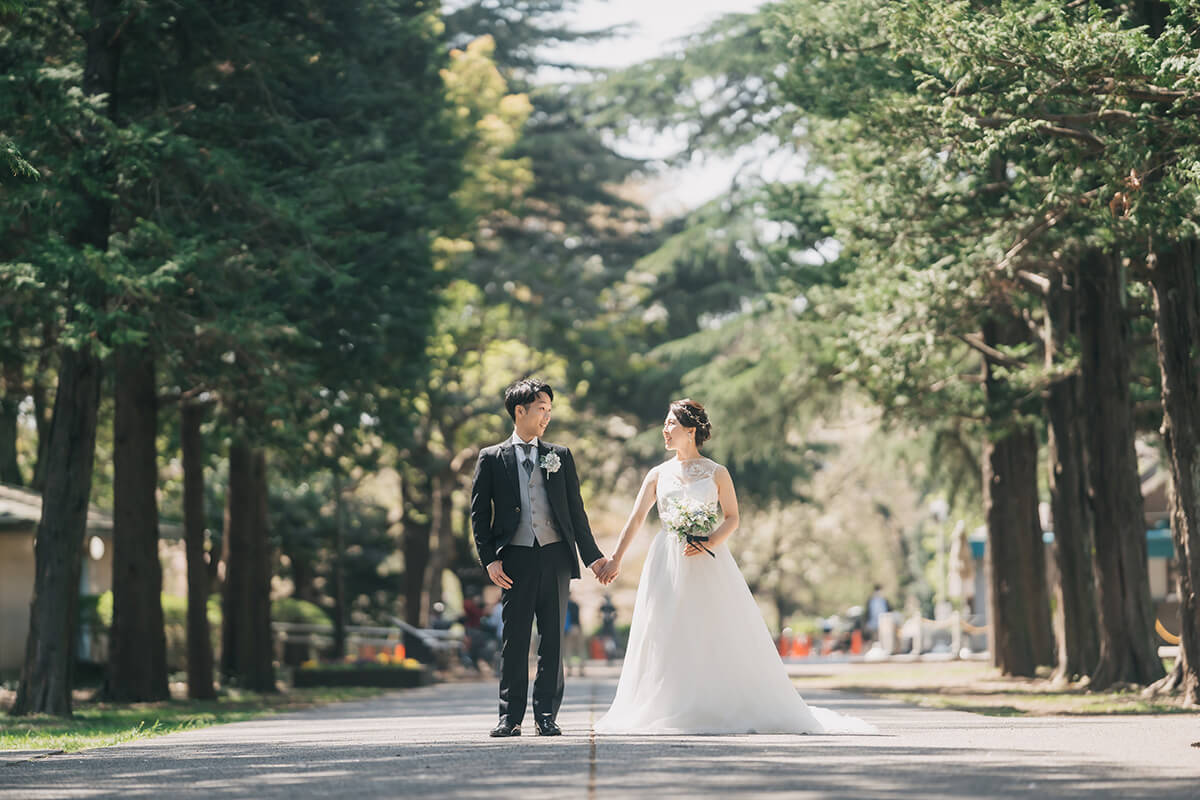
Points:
437	617
573	632
477	638
472	612
495	619
608	628
877	606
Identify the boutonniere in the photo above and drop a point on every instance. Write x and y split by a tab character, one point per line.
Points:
550	462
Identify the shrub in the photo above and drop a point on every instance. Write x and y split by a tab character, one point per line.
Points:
295	610
97	610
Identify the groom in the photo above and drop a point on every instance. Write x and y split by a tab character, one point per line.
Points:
528	520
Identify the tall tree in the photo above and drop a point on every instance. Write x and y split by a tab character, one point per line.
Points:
246	643
1075	621
331	304
1020	606
489	119
1079	164
137	666
983	93
1128	652
46	676
199	637
1177	326
283	176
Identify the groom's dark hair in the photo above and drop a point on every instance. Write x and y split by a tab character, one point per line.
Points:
524	392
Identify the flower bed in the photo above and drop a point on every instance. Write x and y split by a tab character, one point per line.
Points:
384	676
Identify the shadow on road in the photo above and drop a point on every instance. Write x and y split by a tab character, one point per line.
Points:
532	767
432	743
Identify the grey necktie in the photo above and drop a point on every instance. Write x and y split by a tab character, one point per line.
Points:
527	459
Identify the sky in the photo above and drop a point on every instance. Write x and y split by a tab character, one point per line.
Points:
656	27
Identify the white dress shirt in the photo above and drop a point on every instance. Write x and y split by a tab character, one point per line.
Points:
517	440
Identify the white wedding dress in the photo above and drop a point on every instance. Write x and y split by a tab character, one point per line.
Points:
700	659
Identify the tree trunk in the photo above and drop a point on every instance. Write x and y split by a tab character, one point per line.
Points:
1177	332
41	407
1020	605
339	569
417	533
1075	624
464	524
262	662
10	402
46	679
137	664
235	553
199	635
1128	652
304	576
244	636
443	530
1151	13
46	675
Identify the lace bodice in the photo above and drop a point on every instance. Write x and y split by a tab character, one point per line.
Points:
692	479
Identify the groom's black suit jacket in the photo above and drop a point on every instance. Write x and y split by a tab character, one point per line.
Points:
496	503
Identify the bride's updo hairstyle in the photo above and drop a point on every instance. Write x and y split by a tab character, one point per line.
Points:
691	414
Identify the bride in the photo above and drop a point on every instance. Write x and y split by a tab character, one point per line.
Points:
700	658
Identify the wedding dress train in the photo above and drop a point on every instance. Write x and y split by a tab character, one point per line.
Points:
700	659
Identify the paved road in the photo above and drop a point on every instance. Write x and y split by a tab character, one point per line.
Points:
432	743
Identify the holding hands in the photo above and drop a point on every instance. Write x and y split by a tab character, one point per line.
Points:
610	571
606	570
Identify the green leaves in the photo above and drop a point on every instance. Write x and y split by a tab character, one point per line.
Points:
965	152
11	156
276	183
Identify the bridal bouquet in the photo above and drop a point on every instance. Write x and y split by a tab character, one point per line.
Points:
691	521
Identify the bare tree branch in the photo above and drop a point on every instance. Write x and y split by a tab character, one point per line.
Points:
1039	282
1051	219
975	341
1148	93
463	457
1105	115
1090	139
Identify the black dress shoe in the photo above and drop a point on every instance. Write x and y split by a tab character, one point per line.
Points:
548	727
506	728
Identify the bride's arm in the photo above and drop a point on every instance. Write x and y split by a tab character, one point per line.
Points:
641	507
729	507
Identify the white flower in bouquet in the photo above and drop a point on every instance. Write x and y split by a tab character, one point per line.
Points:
686	517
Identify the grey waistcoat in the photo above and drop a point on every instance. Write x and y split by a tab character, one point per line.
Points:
537	520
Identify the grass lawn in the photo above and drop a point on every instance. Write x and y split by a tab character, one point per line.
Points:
103	724
978	688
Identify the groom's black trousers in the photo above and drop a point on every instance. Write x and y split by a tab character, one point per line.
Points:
541	579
